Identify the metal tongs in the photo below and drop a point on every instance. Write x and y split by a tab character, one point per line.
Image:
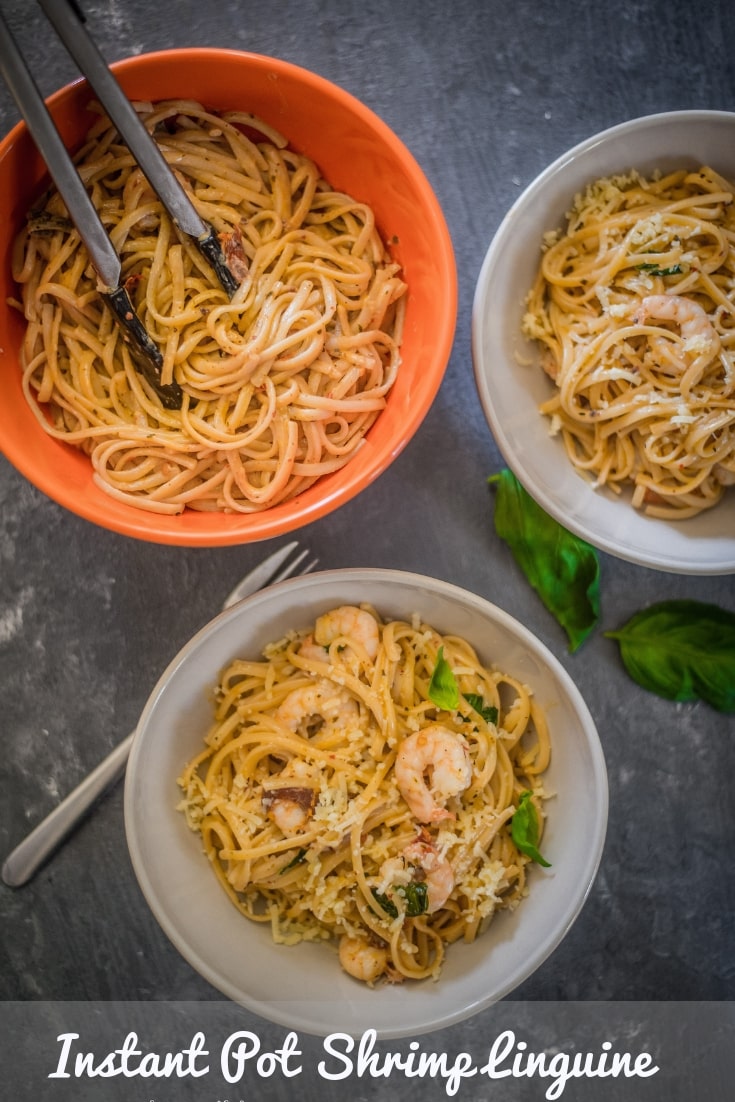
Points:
68	21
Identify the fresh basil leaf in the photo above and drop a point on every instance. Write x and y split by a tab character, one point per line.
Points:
653	269
416	896
524	829
296	860
387	904
682	650
562	568
443	688
488	711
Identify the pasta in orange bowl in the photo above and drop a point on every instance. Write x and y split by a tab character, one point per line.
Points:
279	384
296	394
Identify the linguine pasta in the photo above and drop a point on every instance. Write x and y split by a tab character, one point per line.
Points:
336	799
634	304
280	384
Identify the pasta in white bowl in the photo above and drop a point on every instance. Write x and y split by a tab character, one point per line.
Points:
302	985
603	346
360	784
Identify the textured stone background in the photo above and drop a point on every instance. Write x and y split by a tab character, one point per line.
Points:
485	95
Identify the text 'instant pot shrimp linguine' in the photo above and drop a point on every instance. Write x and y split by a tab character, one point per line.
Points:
280	384
634	304
373	783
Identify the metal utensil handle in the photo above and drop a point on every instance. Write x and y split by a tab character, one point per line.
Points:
83	213
30	854
43	130
72	32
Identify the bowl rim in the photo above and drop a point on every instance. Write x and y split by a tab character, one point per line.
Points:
392	579
332	490
662	559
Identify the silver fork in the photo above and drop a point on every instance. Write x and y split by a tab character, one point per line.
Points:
45	839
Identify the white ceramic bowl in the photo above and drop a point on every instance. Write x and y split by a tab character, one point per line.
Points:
303	987
511	393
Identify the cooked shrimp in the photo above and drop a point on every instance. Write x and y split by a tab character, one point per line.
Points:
420	862
321	701
313	651
290	808
289	797
354	624
361	959
441	756
695	326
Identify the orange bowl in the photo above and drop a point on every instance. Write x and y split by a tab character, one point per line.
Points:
358	154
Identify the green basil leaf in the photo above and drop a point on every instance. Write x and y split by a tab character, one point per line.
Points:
416	895
562	568
682	650
443	688
524	829
296	860
388	906
653	269
488	711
